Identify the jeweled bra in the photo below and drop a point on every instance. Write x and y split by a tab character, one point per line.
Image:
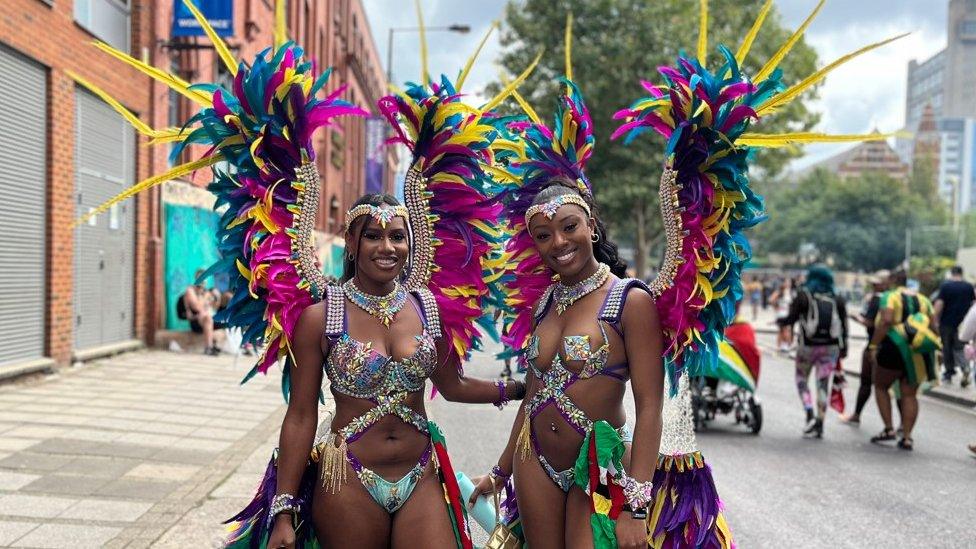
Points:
355	369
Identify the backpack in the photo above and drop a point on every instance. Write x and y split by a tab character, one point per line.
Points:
181	307
821	325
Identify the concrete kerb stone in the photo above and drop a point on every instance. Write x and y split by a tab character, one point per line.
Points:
158	519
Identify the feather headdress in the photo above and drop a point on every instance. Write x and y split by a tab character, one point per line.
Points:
535	155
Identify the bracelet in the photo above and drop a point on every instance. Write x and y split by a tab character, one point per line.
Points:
638	494
502	397
283	503
497	474
520	390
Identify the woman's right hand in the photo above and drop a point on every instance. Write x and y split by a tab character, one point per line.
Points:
483	486
283	533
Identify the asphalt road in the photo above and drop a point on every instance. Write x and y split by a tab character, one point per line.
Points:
781	490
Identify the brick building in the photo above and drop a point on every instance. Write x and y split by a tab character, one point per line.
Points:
72	292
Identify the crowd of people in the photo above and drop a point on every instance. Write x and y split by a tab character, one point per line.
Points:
908	335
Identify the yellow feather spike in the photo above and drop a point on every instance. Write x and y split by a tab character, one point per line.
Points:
176	83
474	56
568	40
775	60
786	139
512	86
794	91
182	169
280	29
743	51
168	135
424	73
703	32
222	50
526	108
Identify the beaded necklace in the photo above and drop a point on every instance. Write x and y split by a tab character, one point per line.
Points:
565	296
383	307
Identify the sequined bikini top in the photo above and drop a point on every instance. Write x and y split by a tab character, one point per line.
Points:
356	369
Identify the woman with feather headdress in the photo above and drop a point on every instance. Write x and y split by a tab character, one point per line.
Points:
602	488
408	308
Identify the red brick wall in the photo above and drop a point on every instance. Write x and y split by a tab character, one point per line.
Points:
49	35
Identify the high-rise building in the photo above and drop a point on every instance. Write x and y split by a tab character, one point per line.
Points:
945	84
957	176
925	88
959	90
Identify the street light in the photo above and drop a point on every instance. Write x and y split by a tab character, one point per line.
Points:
458	28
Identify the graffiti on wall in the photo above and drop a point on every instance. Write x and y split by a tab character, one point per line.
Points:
190	245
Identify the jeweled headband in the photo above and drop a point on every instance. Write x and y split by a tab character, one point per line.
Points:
549	208
382	214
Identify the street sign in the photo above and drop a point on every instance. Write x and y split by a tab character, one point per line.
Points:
219	13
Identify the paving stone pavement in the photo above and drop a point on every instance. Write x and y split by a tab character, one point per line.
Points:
117	452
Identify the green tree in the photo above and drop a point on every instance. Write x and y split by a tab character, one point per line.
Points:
859	223
616	43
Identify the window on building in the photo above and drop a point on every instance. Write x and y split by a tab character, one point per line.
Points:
968	29
106	19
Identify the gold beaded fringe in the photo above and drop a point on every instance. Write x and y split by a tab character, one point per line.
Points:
333	463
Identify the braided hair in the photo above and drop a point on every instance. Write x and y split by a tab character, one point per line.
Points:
604	250
356	228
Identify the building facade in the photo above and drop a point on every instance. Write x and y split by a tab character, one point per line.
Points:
946	82
957	177
68	293
864	158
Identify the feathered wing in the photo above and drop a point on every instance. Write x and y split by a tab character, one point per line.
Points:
450	217
453	220
268	191
707	204
706	200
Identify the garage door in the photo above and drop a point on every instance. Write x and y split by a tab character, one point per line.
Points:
23	183
103	282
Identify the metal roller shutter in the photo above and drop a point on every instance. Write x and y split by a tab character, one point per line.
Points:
103	260
23	217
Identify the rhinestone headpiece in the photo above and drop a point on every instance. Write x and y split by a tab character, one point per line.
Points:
383	214
549	208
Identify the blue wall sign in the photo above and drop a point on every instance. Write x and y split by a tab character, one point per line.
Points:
219	13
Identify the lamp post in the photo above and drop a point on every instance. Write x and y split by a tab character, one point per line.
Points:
458	28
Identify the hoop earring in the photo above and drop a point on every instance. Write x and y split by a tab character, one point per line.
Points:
350	257
595	237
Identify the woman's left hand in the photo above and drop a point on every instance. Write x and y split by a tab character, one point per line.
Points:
631	532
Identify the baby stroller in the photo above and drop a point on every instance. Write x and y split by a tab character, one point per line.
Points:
733	389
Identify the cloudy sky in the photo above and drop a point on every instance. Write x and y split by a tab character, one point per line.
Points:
867	93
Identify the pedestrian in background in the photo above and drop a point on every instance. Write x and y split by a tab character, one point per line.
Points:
902	350
954	299
754	289
782	298
822	315
878	284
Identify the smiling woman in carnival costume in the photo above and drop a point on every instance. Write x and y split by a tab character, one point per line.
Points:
408	308
574	439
